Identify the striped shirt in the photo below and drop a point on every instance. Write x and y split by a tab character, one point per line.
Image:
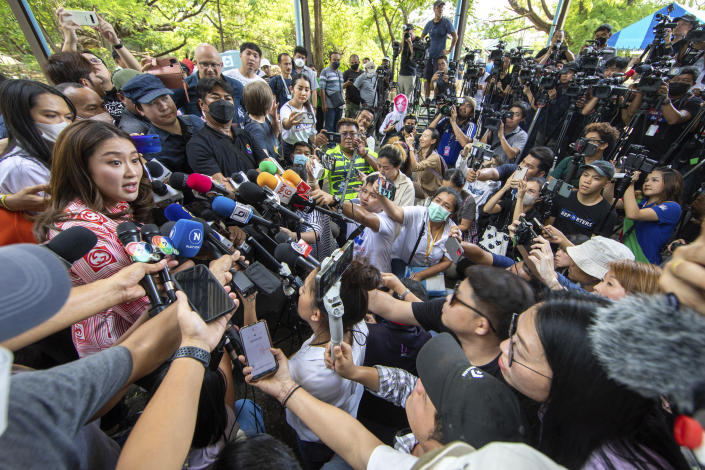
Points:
341	165
107	257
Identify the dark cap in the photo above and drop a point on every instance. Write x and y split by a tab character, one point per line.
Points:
438	2
689	17
34	285
472	406
122	76
604	27
603	167
145	88
408	27
570	66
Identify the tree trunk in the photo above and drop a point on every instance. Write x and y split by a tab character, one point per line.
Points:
379	30
318	35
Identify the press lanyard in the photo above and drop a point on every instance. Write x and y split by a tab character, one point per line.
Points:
431	241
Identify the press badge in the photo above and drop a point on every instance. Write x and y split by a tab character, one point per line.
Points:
651	131
446	150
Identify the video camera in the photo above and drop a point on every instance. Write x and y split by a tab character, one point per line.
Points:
663	22
581	85
609	87
652	75
497	54
420	46
517	56
552	188
479	154
637	159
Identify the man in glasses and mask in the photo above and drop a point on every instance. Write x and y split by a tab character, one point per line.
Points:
219	149
154	102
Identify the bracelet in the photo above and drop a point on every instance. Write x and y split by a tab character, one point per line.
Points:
403	295
193	352
289	394
118	46
2	201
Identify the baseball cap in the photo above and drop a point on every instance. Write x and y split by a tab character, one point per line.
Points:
493	456
604	27
438	2
594	255
264	63
408	27
34	285
145	88
689	17
602	167
472	406
123	76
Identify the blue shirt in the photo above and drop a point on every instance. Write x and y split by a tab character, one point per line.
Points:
191	106
280	88
173	154
653	236
439	33
448	147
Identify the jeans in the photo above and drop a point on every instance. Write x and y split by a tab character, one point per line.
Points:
249	416
332	116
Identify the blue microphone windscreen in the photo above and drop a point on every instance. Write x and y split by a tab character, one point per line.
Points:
176	211
223	206
187	237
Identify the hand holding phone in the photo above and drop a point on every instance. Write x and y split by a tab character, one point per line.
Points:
83	18
256	342
205	293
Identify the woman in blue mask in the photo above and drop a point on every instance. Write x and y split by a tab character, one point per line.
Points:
34	114
420	251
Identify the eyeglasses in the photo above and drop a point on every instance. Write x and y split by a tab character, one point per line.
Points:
512	332
454	298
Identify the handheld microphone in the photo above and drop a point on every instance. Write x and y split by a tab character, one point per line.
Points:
266	166
72	244
178	181
176	211
630	73
253	194
204	185
140	252
186	236
300	246
292	177
165	230
285	253
280	187
670	363
240	213
252	175
157	171
163	246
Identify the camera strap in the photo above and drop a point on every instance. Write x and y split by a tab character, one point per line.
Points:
416	245
499	142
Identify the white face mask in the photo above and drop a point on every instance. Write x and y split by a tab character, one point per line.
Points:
370	73
299	62
529	200
51	131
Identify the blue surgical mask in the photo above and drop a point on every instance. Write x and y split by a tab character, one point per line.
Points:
437	213
335	64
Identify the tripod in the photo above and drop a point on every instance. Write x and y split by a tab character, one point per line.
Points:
568	118
649	101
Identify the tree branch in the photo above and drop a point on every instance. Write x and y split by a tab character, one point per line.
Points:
173	49
514	32
186	16
549	15
505	19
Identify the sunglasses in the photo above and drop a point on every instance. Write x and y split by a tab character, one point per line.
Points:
512	332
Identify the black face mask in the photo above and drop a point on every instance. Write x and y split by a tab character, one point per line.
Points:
354	67
678	88
409	128
601	42
221	111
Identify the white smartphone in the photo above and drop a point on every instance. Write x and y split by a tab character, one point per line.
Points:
84	18
520	173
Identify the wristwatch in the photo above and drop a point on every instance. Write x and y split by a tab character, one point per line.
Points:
118	46
193	352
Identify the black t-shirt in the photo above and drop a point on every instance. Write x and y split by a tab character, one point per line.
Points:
428	314
666	133
210	152
573	217
563	57
407	66
352	94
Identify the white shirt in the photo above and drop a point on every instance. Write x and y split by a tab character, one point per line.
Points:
429	251
385	457
302	131
237	75
18	170
377	246
307	369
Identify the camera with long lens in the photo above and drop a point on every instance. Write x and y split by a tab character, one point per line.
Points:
581	85
547	196
525	233
419	46
652	75
493	118
497	54
609	87
637	159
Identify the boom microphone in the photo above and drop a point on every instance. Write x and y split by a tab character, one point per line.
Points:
653	347
72	244
129	236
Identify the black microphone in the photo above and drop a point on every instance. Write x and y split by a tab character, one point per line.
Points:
159	188
252	175
157	171
72	244
283	237
253	194
162	245
651	346
177	180
301	202
285	253
129	236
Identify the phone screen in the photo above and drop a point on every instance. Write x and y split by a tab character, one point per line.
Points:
205	294
256	343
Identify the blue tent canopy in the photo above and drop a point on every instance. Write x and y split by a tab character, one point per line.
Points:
640	34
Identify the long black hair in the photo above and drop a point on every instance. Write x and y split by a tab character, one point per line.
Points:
17	98
587	412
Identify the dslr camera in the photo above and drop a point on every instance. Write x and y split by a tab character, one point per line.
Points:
493	118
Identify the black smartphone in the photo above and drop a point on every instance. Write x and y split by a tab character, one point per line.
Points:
206	295
386	188
243	284
333	136
454	249
257	343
